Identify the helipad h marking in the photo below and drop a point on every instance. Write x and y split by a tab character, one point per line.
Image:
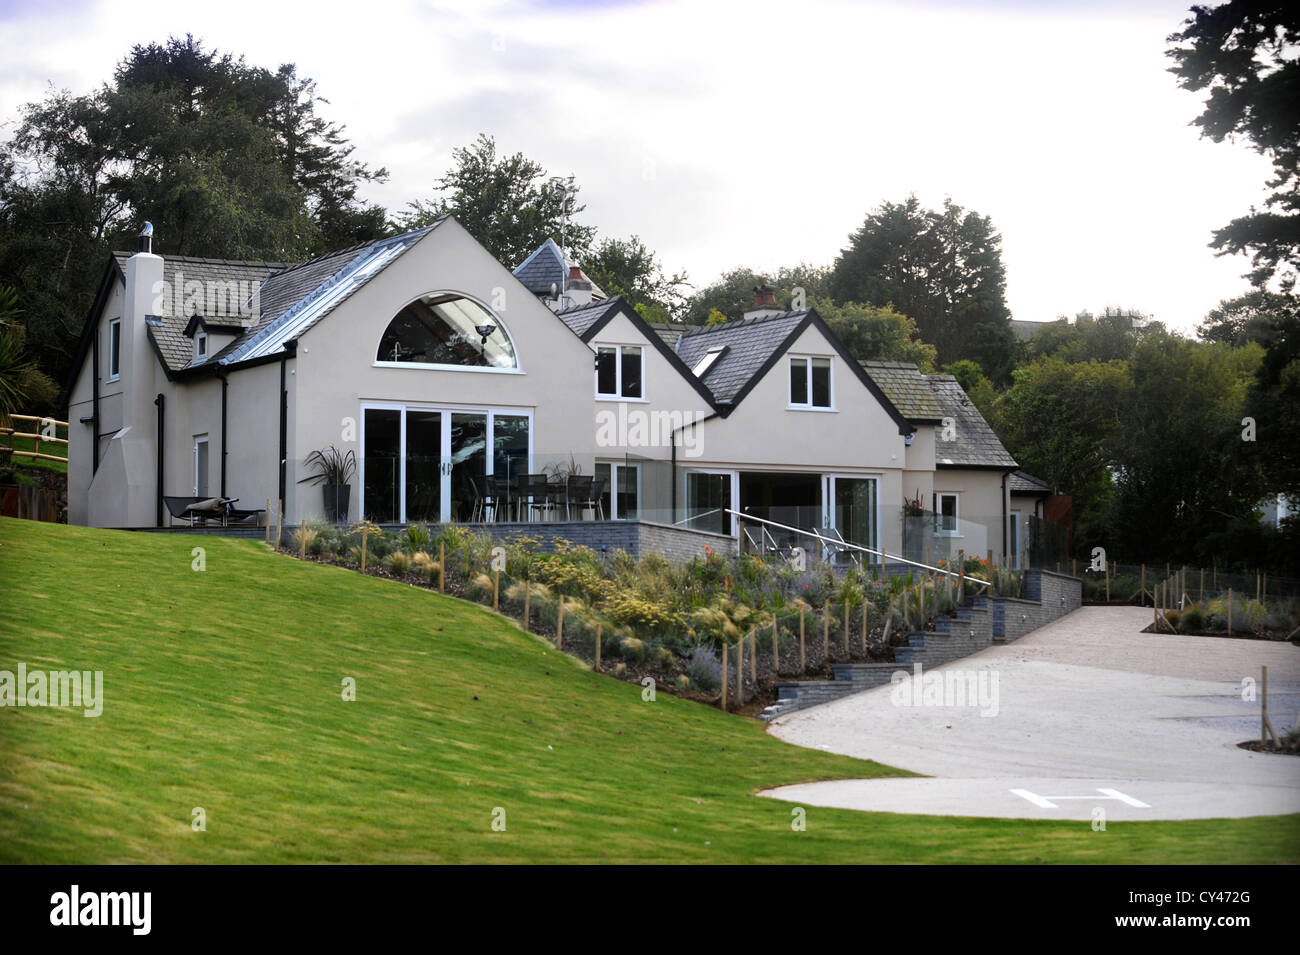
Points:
1049	802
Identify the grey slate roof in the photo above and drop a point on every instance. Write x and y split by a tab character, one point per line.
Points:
176	348
1022	482
975	444
584	316
546	267
906	388
751	344
670	333
291	298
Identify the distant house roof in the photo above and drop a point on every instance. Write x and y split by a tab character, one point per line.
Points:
584	317
974	445
548	266
907	388
1025	329
1025	484
670	332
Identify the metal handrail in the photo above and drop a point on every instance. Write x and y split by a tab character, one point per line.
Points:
696	517
866	550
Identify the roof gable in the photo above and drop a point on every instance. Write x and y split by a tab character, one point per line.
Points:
548	267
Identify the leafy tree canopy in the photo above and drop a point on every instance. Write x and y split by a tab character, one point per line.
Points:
508	203
944	269
1244	53
629	268
876	334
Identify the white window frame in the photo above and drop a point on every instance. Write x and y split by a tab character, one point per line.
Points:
734	530
115	349
201	439
807	361
200	344
617	394
434	366
446	410
828	502
611	493
956	513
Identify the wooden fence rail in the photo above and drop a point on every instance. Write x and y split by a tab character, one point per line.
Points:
37	437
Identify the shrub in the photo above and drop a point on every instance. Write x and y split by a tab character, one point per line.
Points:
664	657
1174	618
305	538
417	536
424	564
1193	620
631	649
704	669
682	681
398	562
627	608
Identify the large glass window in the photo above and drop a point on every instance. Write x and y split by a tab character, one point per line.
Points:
447	330
114	349
423	465
382	463
945	506
707	497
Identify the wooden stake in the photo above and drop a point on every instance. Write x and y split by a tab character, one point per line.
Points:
1202	598
776	649
527	603
753	658
1265	724
740	672
1257	586
864	626
961	581
826	632
442	567
559	626
496	590
365	545
302	541
803	660
724	678
1229	611
1142	595
267	521
724	665
279	523
1107	581
846	628
1074	567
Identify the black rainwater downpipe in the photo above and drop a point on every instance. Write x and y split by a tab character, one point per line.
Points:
94	407
225	384
1005	516
161	402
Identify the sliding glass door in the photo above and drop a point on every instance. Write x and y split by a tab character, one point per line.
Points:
853	511
429	464
709	495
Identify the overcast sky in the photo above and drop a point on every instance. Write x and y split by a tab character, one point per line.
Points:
758	133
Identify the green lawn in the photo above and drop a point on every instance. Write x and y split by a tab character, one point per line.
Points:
223	691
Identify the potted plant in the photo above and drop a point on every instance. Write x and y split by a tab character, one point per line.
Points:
334	470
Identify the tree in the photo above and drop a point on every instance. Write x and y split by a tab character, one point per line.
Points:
1186	481
1107	337
1246	318
1274	400
627	267
977	387
944	269
1060	421
229	160
733	294
876	334
1243	53
509	204
23	387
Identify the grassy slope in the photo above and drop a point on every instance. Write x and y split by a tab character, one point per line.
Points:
222	690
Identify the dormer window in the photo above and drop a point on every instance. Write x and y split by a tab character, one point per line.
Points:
200	345
810	383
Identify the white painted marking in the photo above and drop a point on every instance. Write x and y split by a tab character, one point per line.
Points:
1116	794
1036	799
1046	802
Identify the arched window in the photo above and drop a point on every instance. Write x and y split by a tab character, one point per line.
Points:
447	329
